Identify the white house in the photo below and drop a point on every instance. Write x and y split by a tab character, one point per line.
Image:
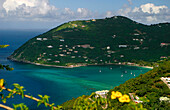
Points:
102	93
39	38
108	47
73	56
50	46
62	40
136	48
44	38
123	46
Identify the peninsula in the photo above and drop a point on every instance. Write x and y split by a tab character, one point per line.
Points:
96	41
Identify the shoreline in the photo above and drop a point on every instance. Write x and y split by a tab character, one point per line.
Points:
79	65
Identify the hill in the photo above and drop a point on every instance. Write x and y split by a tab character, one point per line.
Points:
97	41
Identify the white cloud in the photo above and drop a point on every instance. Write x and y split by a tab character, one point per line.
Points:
150	8
10	5
151	18
42	11
147	13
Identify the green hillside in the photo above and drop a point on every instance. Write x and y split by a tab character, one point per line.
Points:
148	87
100	41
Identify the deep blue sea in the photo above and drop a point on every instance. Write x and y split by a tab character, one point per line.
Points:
59	83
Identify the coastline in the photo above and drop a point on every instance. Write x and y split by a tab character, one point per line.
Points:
78	65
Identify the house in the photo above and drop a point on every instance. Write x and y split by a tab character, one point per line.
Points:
64	50
50	46
84	56
108	47
136	34
102	93
70	49
136	48
61	40
75	51
164	44
121	56
61	45
85	46
44	38
83	26
68	52
39	38
48	59
73	56
108	55
62	55
78	46
162	57
164	99
114	36
56	55
93	20
38	58
122	46
57	61
92	47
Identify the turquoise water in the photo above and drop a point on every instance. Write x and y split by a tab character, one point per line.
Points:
59	83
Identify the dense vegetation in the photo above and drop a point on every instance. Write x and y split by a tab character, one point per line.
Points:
101	41
148	87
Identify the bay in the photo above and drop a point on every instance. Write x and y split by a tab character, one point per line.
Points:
61	84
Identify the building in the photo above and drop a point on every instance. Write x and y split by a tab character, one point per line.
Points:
102	93
136	34
62	55
57	61
70	49
73	56
39	38
68	52
75	51
164	44
61	40
93	20
108	47
136	48
122	46
85	46
44	38
164	99
50	46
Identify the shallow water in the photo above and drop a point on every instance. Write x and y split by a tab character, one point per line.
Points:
61	84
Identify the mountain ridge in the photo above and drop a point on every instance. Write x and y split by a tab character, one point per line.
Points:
96	41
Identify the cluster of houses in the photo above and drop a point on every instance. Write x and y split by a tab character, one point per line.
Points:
164	44
41	39
166	80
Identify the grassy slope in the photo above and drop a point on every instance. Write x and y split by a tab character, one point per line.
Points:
99	35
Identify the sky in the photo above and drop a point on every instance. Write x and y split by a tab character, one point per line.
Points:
47	14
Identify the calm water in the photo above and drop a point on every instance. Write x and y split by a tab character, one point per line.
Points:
60	84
